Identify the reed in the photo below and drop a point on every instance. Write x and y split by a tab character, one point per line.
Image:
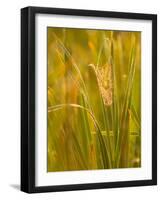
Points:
93	99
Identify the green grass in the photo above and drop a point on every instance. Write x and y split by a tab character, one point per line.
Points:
94	113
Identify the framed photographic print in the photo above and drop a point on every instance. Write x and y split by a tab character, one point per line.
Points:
88	99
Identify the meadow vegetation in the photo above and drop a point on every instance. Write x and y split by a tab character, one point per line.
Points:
94	100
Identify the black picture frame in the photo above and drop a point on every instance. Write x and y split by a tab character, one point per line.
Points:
28	98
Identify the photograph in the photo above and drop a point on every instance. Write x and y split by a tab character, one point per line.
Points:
94	99
89	99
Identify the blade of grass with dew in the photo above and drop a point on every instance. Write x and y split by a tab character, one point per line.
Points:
122	148
86	135
114	108
105	118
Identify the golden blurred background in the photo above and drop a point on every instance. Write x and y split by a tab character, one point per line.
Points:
94	100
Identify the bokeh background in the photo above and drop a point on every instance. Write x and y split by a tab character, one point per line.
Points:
94	105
